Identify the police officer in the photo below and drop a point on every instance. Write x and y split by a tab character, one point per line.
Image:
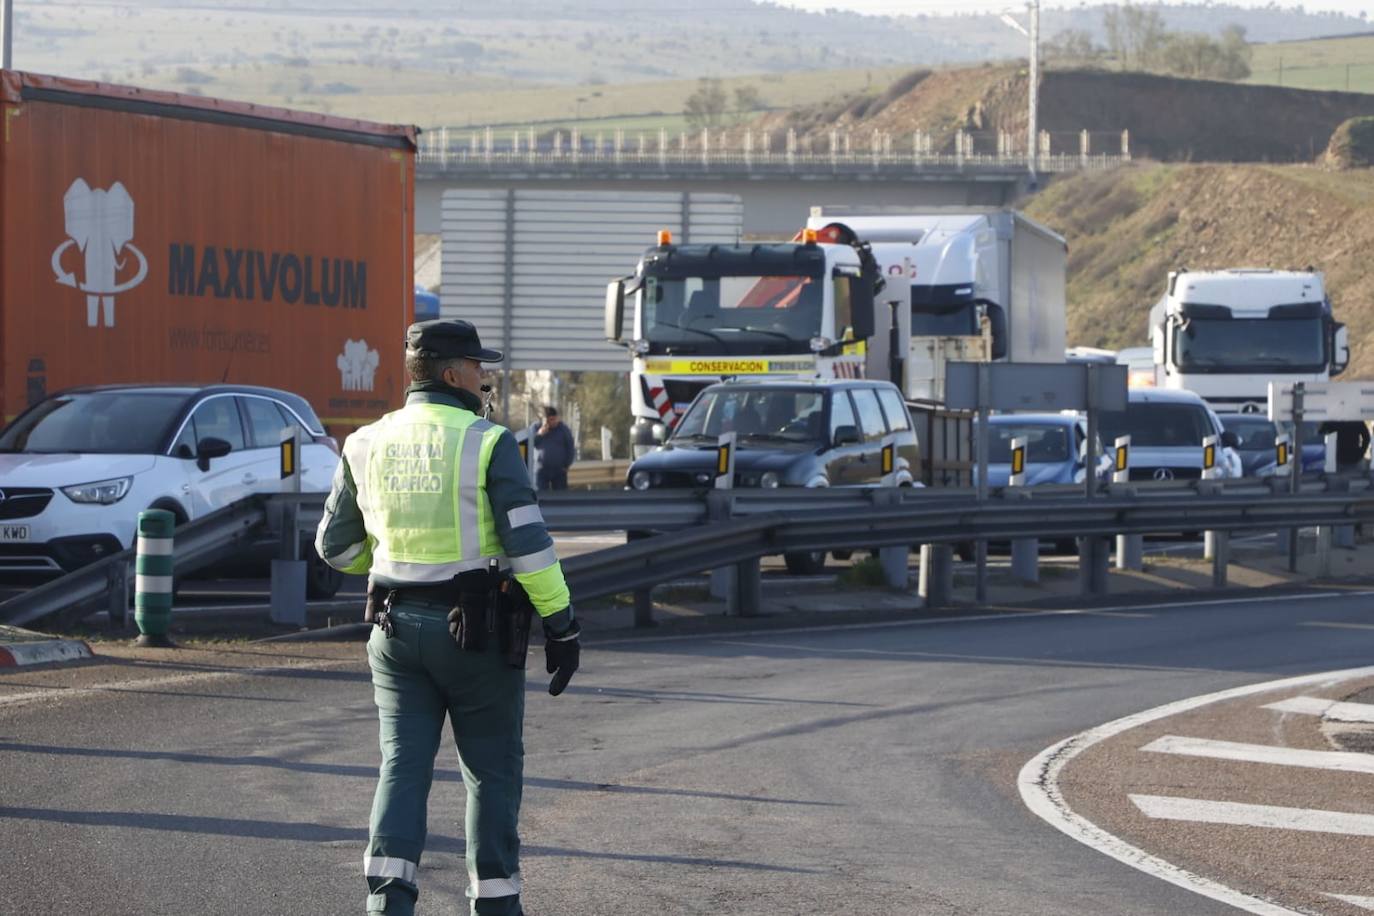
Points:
425	500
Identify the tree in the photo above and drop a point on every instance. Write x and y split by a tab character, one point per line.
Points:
706	106
1072	45
747	101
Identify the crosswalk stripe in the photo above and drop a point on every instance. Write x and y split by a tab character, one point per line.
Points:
1311	820
1345	761
1364	903
1331	709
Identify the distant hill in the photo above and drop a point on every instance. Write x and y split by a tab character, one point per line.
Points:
1127	228
257	47
1168	118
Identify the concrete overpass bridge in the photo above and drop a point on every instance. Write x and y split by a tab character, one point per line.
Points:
777	187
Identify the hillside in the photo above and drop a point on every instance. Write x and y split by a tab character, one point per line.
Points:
445	62
1206	120
1128	228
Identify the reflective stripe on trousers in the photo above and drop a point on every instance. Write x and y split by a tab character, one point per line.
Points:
495	887
387	867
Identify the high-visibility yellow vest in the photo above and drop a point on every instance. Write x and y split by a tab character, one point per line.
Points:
421	477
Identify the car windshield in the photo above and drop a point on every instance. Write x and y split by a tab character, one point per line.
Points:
756	415
1247	344
1158	424
778	313
106	422
1253	432
1044	444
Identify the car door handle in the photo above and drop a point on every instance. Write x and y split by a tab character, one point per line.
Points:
250	478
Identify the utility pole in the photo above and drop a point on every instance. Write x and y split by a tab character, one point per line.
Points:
7	34
1032	119
1034	90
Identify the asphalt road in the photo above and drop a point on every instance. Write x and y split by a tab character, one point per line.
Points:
855	770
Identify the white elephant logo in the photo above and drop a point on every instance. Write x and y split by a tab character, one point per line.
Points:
357	366
100	224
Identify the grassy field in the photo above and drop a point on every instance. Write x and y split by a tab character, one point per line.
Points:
1342	64
432	99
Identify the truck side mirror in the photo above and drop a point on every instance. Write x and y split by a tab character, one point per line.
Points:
1230	439
864	303
997	322
1157	337
1340	348
615	308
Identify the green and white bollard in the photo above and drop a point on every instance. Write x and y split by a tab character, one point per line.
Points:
153	578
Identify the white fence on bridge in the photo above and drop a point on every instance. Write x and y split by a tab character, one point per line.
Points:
444	148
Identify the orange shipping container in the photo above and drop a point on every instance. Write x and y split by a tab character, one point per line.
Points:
154	237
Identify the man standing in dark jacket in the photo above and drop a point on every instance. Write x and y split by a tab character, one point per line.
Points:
554	443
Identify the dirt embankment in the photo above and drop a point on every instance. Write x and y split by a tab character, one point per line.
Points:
1127	228
1169	119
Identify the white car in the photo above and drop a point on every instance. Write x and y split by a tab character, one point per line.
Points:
77	468
1167	427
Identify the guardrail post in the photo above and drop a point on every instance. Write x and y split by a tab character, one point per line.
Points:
1331	536
1025	552
746	597
1130	548
287	590
936	586
117	592
1092	565
892	559
153	578
643	597
1218	542
1212	541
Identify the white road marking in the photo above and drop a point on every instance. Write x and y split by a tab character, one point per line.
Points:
1040	790
1329	709
1364	903
1344	761
1308	820
1336	625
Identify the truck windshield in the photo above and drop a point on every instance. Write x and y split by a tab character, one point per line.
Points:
757	414
732	314
110	423
1220	345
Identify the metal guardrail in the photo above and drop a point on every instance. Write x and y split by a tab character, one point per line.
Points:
910	519
198	544
691	531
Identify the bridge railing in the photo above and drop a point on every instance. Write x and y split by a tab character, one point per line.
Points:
445	149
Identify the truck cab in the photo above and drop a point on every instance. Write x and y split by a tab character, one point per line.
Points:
702	313
1226	334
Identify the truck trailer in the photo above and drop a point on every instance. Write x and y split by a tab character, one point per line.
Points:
158	237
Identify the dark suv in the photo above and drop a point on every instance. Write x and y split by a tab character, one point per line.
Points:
789	433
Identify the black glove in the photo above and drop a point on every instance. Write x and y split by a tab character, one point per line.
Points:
562	652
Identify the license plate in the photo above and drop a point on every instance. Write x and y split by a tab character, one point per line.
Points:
14	532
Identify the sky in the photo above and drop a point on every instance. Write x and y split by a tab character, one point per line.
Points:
896	7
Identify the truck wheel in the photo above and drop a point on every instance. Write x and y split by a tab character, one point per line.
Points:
322	581
805	562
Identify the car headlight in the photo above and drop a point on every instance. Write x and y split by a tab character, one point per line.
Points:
640	480
770	480
102	492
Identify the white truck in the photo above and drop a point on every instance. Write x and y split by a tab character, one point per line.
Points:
883	295
1226	334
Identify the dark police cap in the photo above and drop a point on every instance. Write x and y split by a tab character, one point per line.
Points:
449	338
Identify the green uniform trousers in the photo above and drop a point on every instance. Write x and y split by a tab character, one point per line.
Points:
419	677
